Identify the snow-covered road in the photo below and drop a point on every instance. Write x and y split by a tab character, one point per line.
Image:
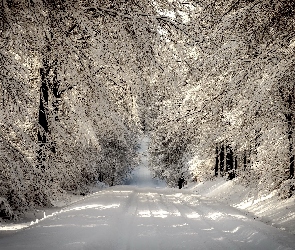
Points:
128	217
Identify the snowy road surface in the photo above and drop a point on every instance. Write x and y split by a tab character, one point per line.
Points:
128	217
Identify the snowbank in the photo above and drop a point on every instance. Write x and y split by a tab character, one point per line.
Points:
269	209
30	218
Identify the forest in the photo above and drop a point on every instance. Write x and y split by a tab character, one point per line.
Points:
210	82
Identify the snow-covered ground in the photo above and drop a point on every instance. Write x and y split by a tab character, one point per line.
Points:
145	215
269	209
129	217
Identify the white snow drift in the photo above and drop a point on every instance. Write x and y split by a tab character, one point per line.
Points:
129	217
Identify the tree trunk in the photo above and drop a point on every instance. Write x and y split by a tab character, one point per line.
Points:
289	118
44	141
222	154
236	165
217	161
229	162
43	128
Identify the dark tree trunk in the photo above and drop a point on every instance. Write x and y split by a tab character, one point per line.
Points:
217	160
236	165
225	161
229	162
100	177
43	108
257	140
289	118
222	154
43	128
41	196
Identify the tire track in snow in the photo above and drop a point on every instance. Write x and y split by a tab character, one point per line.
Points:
195	221
246	233
122	220
181	222
144	222
242	227
217	239
130	218
128	222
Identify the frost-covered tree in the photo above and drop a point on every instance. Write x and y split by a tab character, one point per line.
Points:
70	87
238	91
80	80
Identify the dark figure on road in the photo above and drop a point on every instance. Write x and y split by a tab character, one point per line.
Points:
180	182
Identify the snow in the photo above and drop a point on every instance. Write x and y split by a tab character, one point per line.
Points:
268	208
146	215
130	217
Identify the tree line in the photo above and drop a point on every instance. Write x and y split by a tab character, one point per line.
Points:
230	112
70	97
211	82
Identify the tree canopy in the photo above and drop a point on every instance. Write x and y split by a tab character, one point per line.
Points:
211	82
